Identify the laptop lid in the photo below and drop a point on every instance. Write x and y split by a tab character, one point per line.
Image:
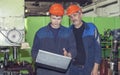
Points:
53	61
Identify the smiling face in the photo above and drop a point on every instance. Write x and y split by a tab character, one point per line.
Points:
55	21
76	18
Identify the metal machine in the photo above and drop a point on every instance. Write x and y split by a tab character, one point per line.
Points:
12	34
110	66
11	22
116	39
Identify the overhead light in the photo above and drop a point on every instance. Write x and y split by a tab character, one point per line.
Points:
47	13
26	10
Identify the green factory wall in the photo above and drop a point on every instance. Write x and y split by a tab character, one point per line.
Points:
33	23
102	23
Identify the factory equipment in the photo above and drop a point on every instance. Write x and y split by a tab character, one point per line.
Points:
12	35
110	41
106	47
106	42
116	39
5	50
11	22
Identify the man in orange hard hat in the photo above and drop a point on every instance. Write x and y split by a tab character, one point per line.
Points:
54	38
88	44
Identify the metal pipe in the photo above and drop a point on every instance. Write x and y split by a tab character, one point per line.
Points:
15	53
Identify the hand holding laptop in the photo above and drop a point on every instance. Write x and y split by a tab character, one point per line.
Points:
65	53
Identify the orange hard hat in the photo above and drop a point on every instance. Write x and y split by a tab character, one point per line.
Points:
72	9
56	9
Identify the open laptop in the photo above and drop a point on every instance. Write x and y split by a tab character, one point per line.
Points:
53	61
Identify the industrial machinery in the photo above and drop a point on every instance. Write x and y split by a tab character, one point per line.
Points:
110	41
12	35
106	47
116	39
11	23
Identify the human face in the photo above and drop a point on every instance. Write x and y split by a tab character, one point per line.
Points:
55	21
76	19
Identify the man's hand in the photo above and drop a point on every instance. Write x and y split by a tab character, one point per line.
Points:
65	53
95	69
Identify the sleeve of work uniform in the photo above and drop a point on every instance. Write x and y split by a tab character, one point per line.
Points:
72	45
35	47
98	51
